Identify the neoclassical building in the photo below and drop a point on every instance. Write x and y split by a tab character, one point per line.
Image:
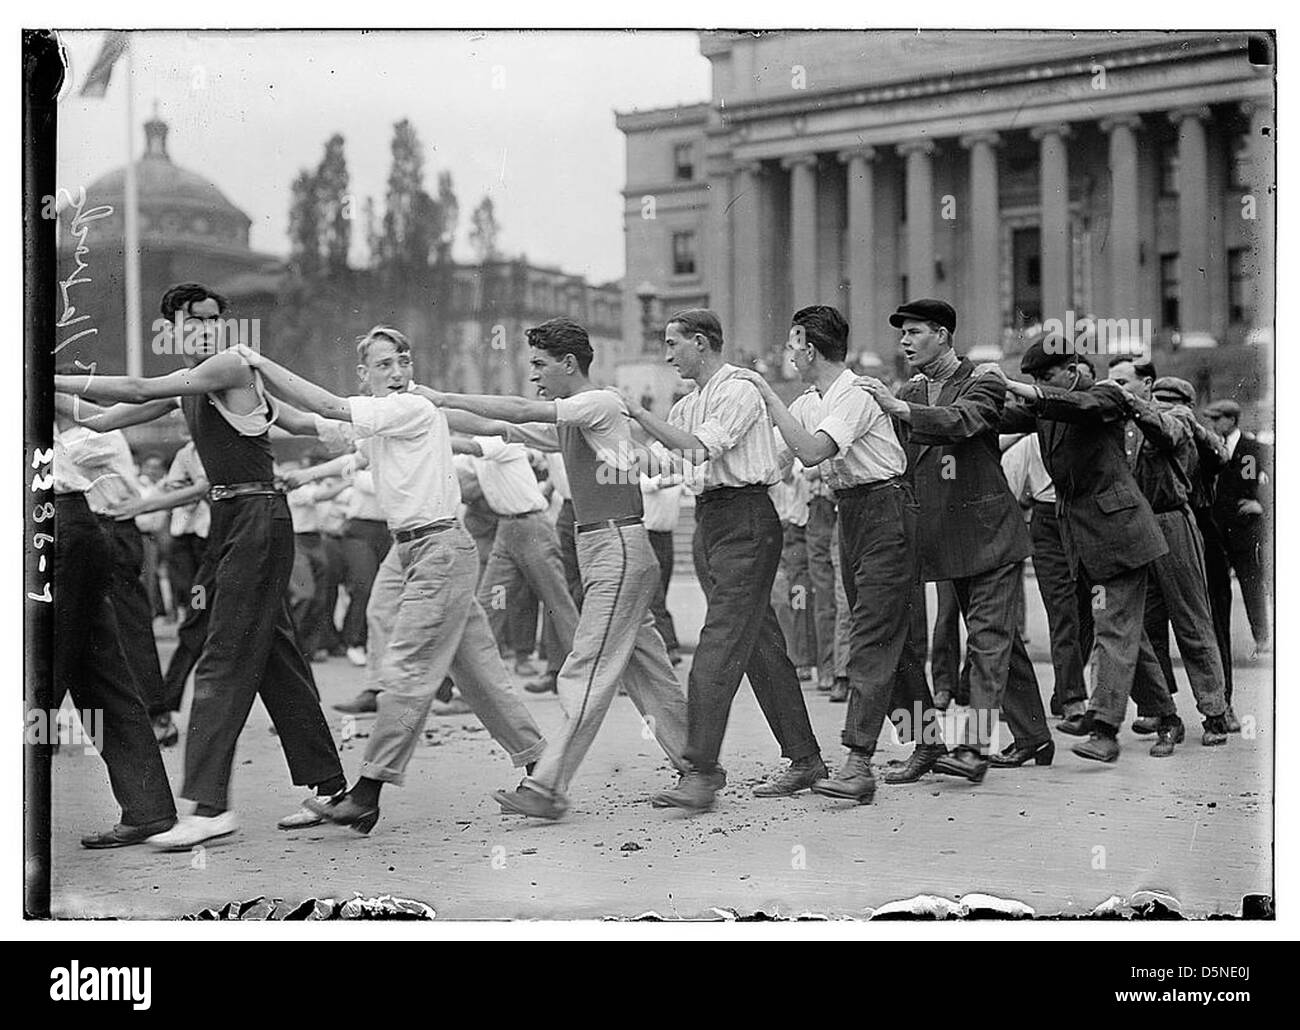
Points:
1020	175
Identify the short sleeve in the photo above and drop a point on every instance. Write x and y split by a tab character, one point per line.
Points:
590	409
398	414
493	447
334	434
847	416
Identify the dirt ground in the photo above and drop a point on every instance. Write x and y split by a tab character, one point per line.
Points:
1063	839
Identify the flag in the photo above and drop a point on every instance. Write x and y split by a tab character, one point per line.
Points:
96	84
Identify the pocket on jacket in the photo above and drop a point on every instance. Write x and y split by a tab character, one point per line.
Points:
1117	498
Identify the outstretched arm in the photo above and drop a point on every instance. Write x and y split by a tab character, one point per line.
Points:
119	416
219	372
809	448
298	391
508	409
162	501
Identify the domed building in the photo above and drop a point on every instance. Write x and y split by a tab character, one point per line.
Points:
189	230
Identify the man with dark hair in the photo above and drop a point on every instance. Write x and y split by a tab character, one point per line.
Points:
1110	533
249	648
843	430
1162	455
1240	508
616	640
972	531
721	431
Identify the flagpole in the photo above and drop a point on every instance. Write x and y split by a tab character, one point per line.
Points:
131	249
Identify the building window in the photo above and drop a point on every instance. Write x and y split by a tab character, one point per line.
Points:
1238	285
684	162
1169	170
1239	170
683	253
1169	290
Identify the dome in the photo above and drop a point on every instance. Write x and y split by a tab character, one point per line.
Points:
172	200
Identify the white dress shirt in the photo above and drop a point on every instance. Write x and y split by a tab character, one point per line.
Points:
869	451
506	477
729	418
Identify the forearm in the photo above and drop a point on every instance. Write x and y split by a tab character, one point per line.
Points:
509	409
172	498
304	395
467	422
810	448
106	389
295	422
677	440
333	467
1161	429
459	445
119	416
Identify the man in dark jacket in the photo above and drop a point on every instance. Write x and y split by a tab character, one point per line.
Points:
971	530
1109	531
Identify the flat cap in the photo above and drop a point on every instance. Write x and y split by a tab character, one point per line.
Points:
1171	388
926	309
1039	358
1224	407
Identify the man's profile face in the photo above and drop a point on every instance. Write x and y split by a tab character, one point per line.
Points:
1123	373
1063	377
683	352
1223	424
387	370
921	342
798	351
554	377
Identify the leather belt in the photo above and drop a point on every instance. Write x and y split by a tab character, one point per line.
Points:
864	489
591	527
228	491
523	514
720	493
405	536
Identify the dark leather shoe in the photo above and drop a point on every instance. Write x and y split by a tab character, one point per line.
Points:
853	782
344	812
1146	725
1230	721
716	780
1216	731
123	836
1042	753
793	778
1166	737
1076	725
965	762
545	685
365	702
840	689
920	762
942	699
526	801
694	791
1098	748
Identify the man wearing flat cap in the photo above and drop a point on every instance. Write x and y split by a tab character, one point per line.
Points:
1239	508
971	530
1109	531
1162	454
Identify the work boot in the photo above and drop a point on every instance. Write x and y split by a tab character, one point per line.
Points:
853	782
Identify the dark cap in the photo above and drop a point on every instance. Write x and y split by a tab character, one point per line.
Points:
1038	358
939	312
1224	407
1172	388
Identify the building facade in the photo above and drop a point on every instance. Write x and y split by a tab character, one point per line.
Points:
1023	176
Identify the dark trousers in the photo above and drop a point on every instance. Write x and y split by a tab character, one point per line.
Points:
1243	541
248	648
135	613
661	541
183	560
1218	582
1177	596
89	664
821	575
307	583
1124	663
951	674
737	549
1068	603
880	566
365	543
1001	675
327	631
799	599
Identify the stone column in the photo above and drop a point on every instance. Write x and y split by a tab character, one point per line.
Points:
1123	235
743	335
920	217
1054	214
984	321
716	245
1263	149
1193	221
803	229
860	178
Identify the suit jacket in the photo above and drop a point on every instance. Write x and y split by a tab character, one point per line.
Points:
1109	528
1244	477
969	521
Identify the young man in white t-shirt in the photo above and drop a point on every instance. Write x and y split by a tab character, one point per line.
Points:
425	586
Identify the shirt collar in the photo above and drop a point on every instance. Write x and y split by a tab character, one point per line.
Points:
944	367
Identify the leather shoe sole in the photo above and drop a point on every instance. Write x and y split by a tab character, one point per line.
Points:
122	836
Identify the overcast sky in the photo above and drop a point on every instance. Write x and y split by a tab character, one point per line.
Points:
526	118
